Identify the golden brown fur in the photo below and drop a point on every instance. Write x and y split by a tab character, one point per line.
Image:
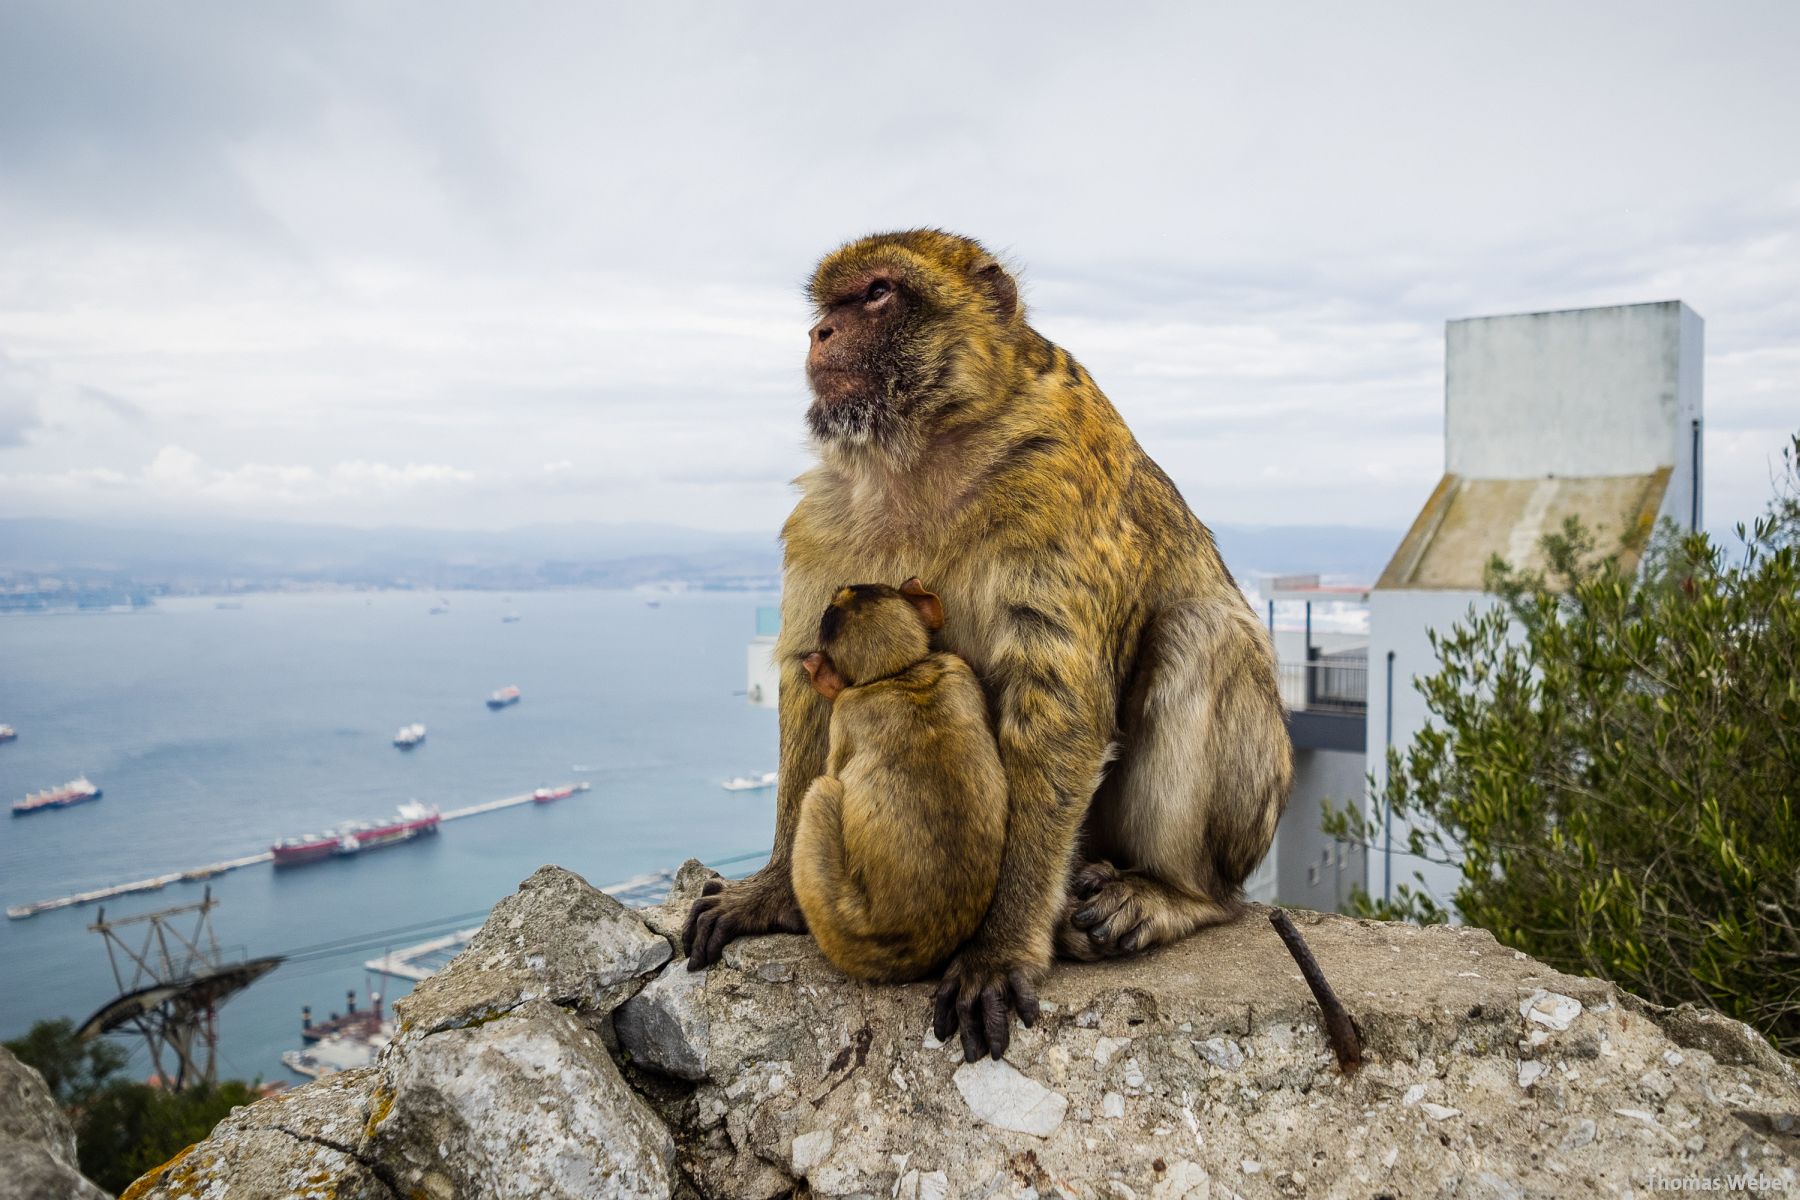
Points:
956	443
898	843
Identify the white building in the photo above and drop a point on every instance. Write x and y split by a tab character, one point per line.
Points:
763	679
1592	412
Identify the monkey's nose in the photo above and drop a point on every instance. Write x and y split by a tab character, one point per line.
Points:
821	332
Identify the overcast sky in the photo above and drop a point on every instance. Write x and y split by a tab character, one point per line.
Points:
471	265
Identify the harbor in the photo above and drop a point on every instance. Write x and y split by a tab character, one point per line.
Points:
210	870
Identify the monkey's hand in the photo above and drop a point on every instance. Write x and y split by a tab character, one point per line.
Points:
982	988
763	903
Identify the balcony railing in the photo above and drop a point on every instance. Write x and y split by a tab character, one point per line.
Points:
1331	683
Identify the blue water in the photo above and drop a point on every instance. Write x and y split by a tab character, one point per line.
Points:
213	732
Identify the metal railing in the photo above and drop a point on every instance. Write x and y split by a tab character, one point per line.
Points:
1331	683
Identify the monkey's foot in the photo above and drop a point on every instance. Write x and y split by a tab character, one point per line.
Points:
763	903
980	992
1111	912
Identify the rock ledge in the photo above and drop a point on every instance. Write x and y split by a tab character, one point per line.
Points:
563	1054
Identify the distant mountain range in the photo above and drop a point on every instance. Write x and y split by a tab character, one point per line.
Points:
247	556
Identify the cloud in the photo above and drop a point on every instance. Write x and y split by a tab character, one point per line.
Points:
177	480
18	405
319	246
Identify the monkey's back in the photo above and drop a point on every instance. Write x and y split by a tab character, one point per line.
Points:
923	819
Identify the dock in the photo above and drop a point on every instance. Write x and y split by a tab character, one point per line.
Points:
475	810
429	957
423	960
19	912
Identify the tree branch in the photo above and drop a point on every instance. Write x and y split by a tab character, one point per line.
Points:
1346	1042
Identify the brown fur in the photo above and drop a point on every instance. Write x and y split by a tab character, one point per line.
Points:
898	843
958	444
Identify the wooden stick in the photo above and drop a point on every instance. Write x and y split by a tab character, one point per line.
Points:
1339	1028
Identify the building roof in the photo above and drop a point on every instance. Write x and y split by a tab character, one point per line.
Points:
1467	522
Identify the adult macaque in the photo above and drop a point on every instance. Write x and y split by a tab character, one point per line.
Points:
899	839
957	444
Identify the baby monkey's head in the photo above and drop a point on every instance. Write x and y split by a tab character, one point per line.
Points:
870	631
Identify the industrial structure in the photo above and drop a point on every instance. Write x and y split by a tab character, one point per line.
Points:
171	985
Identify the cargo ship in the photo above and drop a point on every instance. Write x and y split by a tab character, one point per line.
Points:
505	696
409	736
340	1043
545	795
76	791
410	821
364	1023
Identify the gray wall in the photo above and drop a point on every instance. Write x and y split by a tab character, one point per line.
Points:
1312	870
1587	392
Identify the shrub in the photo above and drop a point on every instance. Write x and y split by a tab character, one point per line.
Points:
1613	761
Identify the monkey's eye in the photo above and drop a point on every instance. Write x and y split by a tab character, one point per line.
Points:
877	290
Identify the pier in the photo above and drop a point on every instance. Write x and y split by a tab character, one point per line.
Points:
475	810
19	912
428	957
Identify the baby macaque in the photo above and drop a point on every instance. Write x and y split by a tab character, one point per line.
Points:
899	841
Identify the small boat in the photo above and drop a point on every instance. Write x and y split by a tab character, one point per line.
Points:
229	605
438	610
76	791
409	736
505	696
751	783
510	618
8	733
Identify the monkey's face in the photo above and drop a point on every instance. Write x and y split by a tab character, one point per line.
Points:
870	630
901	316
857	362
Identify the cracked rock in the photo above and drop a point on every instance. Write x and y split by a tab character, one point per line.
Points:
558	938
664	1027
301	1143
527	1106
261	1164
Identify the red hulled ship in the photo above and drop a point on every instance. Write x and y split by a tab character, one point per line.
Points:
76	791
407	823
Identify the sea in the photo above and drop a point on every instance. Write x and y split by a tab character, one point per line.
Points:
216	726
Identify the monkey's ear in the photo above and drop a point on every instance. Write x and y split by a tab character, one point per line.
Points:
931	609
1002	292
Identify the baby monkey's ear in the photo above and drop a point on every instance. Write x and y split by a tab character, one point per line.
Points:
824	674
931	609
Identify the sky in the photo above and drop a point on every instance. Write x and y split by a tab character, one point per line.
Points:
468	266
